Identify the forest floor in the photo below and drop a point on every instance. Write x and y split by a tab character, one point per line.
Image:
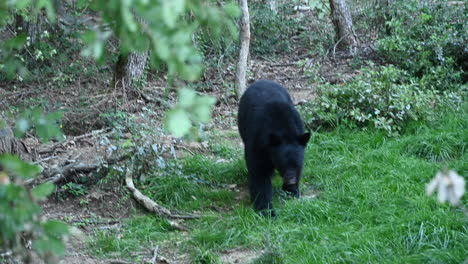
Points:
363	193
106	206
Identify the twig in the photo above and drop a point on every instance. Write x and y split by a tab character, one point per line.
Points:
93	222
293	78
117	261
186	149
92	133
155	255
115	226
282	64
45	159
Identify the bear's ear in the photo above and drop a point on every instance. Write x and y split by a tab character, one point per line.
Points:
304	138
274	140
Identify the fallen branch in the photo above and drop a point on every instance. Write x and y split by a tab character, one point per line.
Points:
155	255
149	204
117	261
58	174
52	148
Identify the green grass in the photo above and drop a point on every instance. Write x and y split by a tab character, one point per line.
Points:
371	205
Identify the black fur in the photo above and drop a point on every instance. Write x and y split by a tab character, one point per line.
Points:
274	138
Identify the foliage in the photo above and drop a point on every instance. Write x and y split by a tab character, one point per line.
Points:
384	97
320	7
46	126
11	63
20	219
428	50
75	189
190	108
428	38
216	48
163	27
270	32
20	214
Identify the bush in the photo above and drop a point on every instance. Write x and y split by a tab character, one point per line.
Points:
384	97
427	36
271	33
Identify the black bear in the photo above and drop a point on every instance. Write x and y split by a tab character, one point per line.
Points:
274	138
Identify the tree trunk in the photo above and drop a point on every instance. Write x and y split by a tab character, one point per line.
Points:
244	38
129	69
341	18
9	144
36	22
31	27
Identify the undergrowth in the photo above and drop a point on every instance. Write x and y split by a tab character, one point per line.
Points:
386	98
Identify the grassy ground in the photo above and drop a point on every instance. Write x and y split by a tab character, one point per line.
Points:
370	206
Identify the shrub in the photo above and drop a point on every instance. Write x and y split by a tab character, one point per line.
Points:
384	97
271	32
427	36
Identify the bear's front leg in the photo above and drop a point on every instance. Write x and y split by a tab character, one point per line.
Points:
260	187
261	195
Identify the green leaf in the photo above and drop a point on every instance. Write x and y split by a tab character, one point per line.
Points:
161	46
15	42
22	125
186	97
94	41
45	245
232	10
178	122
49	6
18	167
202	108
171	11
20	4
56	229
89	36
42	191
128	18
81	4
